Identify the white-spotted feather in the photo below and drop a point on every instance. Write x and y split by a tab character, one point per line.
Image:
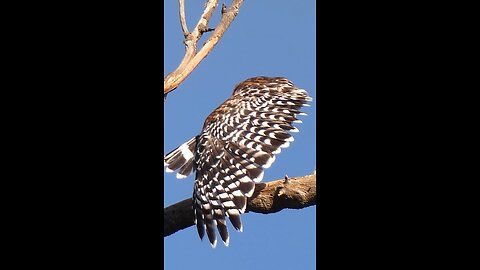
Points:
239	140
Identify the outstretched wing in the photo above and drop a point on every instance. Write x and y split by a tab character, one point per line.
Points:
239	140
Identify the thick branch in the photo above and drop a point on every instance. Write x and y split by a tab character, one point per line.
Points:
271	197
192	59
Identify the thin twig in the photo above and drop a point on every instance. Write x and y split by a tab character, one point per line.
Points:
183	21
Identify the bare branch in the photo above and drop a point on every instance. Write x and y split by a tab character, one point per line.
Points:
192	59
183	21
271	197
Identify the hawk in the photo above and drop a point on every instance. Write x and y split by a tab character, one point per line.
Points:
239	139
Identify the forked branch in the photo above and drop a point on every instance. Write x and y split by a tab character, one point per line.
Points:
192	58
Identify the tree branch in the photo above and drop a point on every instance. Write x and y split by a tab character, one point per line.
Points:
192	59
183	21
271	197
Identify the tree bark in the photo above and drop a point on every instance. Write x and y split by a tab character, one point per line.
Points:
271	197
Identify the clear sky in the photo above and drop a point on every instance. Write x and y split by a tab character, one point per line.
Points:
269	38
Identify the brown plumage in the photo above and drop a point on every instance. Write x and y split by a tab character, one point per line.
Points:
238	141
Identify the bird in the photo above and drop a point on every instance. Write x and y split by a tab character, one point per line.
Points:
238	141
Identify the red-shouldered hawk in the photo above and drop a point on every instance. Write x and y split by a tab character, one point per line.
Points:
238	141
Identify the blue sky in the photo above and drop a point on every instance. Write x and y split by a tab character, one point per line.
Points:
269	38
